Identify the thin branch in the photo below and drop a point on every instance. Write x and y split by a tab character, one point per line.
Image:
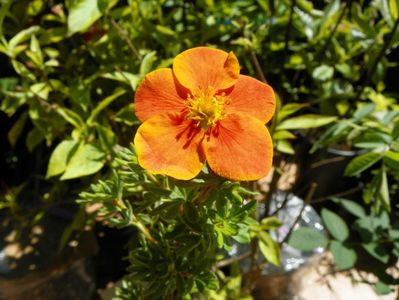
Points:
344	193
257	66
232	260
121	72
327	161
125	37
308	197
287	198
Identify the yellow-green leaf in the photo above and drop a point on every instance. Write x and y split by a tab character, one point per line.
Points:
60	157
306	122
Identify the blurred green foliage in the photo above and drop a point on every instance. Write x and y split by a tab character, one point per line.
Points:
69	70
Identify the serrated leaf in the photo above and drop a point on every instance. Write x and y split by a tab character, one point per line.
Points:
87	160
335	224
361	163
306	239
306	122
269	248
344	257
59	158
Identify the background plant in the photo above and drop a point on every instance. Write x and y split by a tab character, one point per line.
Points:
69	71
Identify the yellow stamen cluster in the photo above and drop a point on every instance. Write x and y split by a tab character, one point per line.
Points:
205	107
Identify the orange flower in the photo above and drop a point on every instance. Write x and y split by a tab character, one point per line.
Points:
204	110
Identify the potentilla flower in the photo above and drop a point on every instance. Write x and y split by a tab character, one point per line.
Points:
203	110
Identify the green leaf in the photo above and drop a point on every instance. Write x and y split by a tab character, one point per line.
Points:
165	30
377	251
71	117
392	159
269	248
34	138
283	135
364	111
305	5
207	279
284	146
394	8
383	191
126	77
40	89
22	70
344	257
20	37
36	52
147	63
270	223
82	14
87	160
351	206
382	288
59	158
242	236
126	115
323	73
306	239
104	103
335	225
288	110
305	122
16	129
361	163
373	140
395	131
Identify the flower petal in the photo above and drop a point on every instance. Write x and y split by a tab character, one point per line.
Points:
252	97
169	144
239	148
202	67
159	93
